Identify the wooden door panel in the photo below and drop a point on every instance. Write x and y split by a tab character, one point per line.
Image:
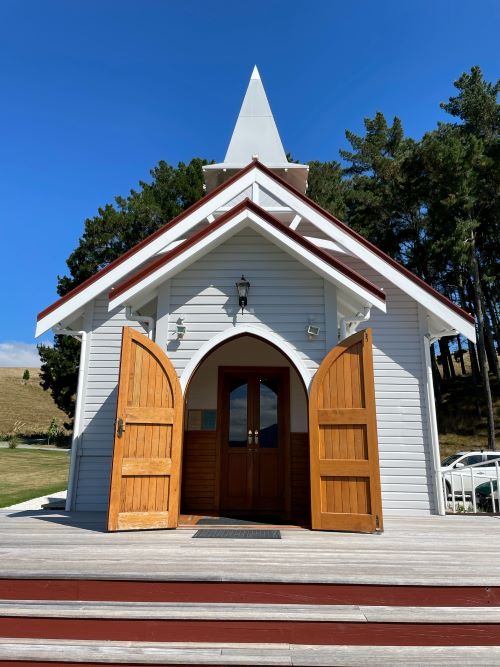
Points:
253	463
345	477
147	448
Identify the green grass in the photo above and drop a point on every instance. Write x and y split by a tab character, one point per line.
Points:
26	474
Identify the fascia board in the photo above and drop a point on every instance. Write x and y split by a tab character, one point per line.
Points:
313	262
202	247
171	234
423	297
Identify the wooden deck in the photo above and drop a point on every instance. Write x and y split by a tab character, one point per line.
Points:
413	551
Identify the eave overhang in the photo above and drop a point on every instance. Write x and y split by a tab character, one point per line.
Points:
247	213
127	263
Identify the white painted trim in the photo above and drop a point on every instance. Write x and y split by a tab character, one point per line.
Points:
326	244
152	248
377	263
238	330
331	325
255	192
430	405
295	222
302	209
231	227
80	399
163	315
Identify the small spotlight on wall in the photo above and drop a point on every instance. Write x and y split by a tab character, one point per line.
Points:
243	287
180	328
312	330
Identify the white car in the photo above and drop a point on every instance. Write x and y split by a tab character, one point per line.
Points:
467	470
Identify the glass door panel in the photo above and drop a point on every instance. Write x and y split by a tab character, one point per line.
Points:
238	413
268	417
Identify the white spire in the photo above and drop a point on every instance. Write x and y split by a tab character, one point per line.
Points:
255	132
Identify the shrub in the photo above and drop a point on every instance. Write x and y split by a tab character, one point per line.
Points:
53	430
13	438
26	375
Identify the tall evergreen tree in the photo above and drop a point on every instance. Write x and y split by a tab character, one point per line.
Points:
116	228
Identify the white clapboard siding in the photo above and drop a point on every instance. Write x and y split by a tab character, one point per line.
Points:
96	444
283	295
404	440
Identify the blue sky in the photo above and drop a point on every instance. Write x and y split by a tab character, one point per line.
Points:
94	93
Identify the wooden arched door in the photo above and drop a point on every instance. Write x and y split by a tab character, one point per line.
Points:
345	476
145	476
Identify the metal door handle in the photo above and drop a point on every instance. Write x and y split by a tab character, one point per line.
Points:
249	439
256	437
120	428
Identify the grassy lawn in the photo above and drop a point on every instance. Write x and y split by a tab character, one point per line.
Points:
26	474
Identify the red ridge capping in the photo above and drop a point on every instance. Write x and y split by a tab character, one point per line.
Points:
387	258
246	204
144	242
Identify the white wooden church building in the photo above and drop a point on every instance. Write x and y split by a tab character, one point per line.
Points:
255	357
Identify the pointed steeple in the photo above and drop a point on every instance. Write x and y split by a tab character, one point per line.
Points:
255	132
255	135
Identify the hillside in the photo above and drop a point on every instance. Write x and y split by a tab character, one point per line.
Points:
26	402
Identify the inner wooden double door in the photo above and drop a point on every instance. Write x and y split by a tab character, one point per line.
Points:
254	431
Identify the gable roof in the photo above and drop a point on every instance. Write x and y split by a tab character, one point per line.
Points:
335	269
358	245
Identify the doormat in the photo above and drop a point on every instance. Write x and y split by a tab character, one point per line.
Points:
239	534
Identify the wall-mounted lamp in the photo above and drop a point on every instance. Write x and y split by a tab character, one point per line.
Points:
243	287
180	328
312	330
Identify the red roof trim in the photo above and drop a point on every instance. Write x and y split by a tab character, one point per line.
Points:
246	204
402	269
119	260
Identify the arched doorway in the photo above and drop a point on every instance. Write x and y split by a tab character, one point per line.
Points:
246	447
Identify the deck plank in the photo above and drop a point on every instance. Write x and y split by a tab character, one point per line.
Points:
214	611
244	654
412	551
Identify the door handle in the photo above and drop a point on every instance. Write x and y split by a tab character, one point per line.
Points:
249	439
120	428
256	437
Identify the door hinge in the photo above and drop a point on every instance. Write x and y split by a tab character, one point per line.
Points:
377	523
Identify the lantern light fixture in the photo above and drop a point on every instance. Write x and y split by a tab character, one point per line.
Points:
243	287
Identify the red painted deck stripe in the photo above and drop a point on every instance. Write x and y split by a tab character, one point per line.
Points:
250	593
289	632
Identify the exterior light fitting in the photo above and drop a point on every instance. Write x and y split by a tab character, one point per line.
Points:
180	328
243	287
312	330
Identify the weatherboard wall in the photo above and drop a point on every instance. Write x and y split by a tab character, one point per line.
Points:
404	440
283	295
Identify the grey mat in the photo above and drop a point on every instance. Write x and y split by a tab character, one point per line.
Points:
239	534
